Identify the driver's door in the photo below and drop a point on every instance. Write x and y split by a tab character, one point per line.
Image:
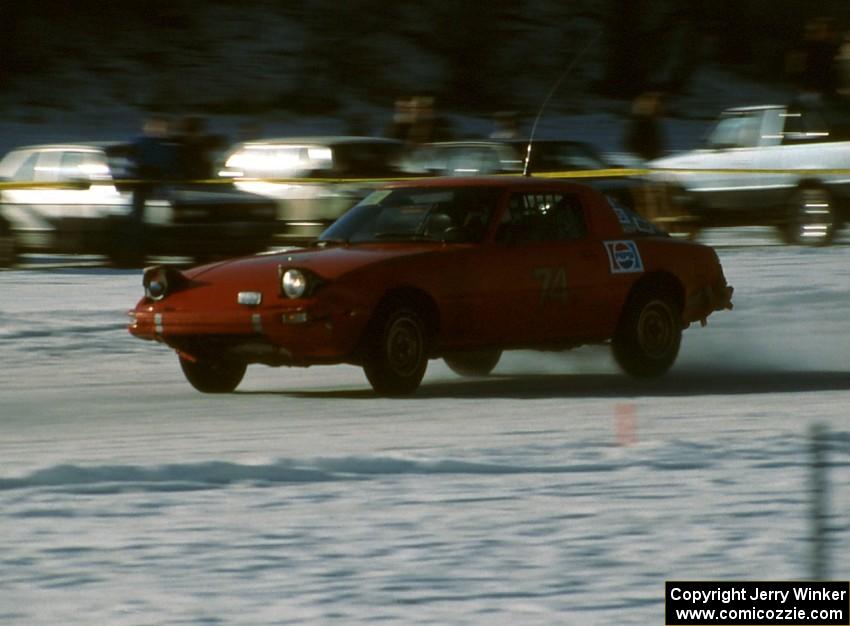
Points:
542	279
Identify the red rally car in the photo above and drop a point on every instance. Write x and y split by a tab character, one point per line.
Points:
458	268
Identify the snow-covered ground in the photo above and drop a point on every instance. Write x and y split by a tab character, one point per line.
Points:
555	492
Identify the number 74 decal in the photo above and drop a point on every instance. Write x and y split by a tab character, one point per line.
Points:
553	284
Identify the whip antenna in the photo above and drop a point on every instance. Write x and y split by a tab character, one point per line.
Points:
552	93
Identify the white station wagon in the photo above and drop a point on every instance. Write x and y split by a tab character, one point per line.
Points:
76	199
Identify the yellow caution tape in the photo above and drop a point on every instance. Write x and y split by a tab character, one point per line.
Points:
607	173
601	173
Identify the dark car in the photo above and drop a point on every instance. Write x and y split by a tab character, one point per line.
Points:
458	268
77	199
549	157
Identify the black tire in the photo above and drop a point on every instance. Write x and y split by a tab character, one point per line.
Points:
649	334
8	251
213	376
128	248
811	218
397	351
473	363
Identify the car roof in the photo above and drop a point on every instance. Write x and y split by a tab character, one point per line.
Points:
466	143
505	142
330	140
750	109
80	145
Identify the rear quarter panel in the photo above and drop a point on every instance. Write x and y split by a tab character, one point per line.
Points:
693	266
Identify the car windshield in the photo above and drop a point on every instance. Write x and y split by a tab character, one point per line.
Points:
459	214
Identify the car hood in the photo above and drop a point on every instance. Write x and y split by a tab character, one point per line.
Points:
329	263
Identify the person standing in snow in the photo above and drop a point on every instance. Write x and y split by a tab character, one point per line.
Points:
644	136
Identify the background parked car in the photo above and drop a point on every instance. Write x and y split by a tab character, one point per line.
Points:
305	209
790	162
507	156
76	199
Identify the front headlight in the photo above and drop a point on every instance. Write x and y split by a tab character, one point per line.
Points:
294	283
161	280
155	282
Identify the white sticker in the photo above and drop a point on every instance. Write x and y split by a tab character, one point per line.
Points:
623	257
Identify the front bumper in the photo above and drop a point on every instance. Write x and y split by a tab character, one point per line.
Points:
702	303
272	335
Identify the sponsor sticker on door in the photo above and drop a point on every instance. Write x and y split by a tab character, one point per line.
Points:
623	257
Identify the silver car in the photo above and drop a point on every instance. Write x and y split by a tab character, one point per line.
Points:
76	199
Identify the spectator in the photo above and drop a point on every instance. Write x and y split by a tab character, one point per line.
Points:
402	121
644	136
196	149
154	154
415	121
426	125
154	158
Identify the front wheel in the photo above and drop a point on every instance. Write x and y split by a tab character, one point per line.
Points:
474	363
647	340
213	376
397	354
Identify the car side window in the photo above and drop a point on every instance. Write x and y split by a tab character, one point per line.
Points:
537	217
736	131
26	171
70	166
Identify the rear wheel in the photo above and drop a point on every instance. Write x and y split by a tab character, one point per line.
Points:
474	363
213	376
811	217
647	340
397	351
